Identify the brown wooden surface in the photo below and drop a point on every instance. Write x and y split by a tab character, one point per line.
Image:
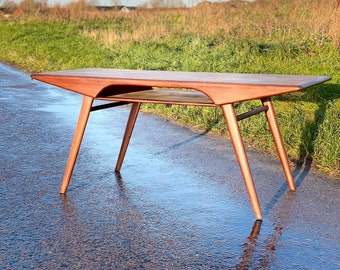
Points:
221	88
164	96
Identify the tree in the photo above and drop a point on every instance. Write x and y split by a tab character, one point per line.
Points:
28	6
115	3
157	4
9	6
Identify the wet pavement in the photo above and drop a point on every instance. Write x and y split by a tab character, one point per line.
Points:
179	202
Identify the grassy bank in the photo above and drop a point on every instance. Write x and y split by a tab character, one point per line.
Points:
261	37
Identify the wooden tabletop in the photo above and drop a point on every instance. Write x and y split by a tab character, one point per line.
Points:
221	88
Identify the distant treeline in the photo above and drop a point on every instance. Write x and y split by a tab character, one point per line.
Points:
42	7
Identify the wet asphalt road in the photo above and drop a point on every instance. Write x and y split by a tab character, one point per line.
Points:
179	202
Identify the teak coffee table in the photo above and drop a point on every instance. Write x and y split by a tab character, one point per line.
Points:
180	88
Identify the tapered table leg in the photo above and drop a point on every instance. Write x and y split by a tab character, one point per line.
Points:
77	138
274	128
127	135
236	139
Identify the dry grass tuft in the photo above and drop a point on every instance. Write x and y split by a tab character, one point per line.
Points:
298	20
279	19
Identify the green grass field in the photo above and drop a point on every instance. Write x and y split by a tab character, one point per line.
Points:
263	37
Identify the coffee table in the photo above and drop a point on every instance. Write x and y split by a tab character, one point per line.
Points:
223	90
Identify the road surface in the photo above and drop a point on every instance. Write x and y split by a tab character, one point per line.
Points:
179	202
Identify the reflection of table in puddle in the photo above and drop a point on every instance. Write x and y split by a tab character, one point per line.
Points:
180	88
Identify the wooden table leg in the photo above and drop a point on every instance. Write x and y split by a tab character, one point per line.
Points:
77	138
127	135
274	128
236	139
